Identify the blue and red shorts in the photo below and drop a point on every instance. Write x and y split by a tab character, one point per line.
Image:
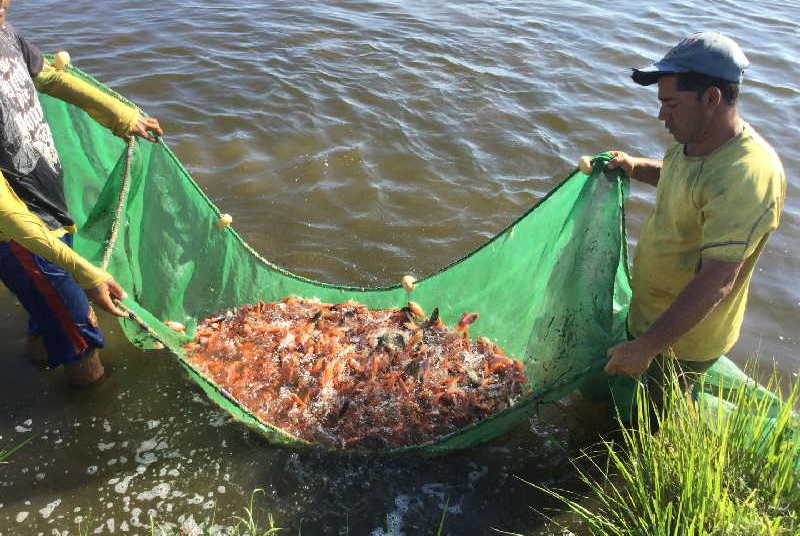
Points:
58	307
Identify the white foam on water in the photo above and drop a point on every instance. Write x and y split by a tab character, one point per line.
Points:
153	424
190	527
196	499
394	519
135	513
161	491
436	490
218	419
105	446
122	487
200	400
92	469
146	458
221	489
477	474
146	445
22	516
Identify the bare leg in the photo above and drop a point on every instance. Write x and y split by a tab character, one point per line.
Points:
86	371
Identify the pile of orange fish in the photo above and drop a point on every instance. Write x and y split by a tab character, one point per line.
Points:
345	376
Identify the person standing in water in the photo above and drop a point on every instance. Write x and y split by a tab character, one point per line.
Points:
37	262
719	194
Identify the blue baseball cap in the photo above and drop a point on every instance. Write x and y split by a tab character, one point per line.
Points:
708	53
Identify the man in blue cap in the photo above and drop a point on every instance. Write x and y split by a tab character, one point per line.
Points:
720	192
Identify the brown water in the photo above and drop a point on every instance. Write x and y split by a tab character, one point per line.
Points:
354	142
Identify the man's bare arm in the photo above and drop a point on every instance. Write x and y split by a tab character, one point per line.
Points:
710	285
636	167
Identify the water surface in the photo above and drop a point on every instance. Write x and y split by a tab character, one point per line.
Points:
353	142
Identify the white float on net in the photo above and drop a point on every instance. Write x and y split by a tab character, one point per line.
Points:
224	220
409	282
62	60
585	164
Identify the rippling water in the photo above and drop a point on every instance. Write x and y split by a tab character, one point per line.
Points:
354	142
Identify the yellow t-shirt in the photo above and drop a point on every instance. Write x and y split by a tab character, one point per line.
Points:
720	206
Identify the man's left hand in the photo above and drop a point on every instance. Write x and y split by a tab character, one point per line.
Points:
104	295
629	358
144	127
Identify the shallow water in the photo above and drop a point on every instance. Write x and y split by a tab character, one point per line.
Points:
354	142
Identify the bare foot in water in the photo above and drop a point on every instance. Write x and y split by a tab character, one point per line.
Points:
85	372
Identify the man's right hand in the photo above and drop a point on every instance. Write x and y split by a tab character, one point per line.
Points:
147	128
623	161
636	167
103	296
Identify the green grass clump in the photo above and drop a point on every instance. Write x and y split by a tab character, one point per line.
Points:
709	470
246	525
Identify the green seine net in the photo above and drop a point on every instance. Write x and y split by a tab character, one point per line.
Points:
552	288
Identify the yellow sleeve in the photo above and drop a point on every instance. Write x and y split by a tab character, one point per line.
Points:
739	215
103	108
19	224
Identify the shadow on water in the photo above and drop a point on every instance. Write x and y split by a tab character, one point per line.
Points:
147	442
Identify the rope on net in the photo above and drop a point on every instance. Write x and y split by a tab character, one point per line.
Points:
112	237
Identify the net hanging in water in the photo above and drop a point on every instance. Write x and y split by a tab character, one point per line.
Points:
552	288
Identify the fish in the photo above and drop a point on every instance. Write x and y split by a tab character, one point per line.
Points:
344	376
433	321
415	310
467	319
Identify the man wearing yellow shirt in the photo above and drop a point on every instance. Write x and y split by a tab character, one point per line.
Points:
719	195
36	260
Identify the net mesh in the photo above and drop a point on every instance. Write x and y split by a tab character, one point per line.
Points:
552	288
